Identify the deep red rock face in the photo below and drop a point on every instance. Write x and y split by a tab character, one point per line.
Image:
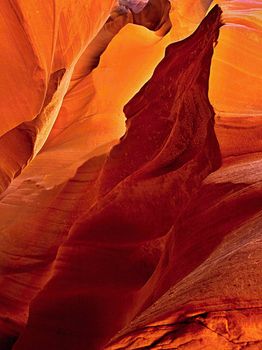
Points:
151	240
145	185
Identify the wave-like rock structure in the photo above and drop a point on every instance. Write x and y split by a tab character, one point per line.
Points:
152	241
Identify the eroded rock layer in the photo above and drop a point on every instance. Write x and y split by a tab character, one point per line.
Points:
168	149
210	269
147	240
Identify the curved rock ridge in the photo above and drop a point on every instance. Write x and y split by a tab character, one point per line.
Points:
210	269
108	257
89	122
72	99
48	43
132	235
46	39
69	95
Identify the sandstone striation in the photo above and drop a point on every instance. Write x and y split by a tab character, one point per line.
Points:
130	175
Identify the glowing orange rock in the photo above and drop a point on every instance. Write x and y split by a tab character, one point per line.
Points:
48	43
66	73
101	268
236	69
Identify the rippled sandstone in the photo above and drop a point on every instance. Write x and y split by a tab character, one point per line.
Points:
100	235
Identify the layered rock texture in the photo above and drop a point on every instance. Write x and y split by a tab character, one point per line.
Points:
131	175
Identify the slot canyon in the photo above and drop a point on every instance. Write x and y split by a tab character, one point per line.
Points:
131	175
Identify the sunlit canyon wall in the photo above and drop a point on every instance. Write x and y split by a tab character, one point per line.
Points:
130	174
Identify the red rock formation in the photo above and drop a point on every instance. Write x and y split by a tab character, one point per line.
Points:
130	236
210	269
144	187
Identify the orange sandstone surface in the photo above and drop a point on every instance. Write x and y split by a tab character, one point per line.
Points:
131	175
